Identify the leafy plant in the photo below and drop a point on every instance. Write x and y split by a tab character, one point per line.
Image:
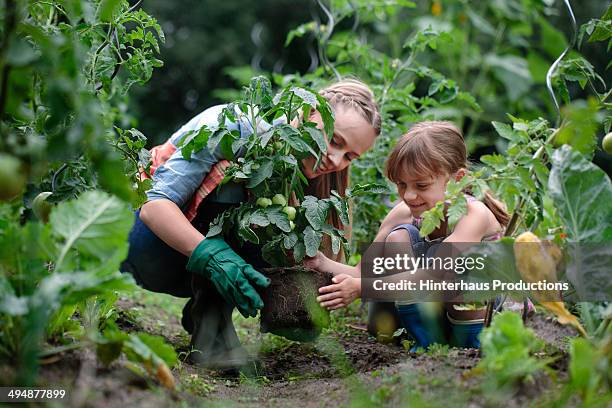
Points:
508	352
278	214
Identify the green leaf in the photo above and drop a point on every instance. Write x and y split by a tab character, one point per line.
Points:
96	224
336	241
327	115
312	240
264	172
299	252
456	211
315	211
432	219
291	160
341	207
259	218
480	23
318	137
579	129
290	240
160	348
582	193
505	131
551	40
512	72
107	9
366	189
278	218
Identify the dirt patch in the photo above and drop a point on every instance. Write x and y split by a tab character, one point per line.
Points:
551	331
290	306
328	372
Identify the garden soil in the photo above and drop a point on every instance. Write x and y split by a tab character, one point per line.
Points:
340	367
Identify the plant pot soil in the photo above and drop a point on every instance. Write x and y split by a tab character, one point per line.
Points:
290	307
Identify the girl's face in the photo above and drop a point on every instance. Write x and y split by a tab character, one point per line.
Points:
352	137
420	192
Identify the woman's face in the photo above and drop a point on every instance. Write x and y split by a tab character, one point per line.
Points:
352	137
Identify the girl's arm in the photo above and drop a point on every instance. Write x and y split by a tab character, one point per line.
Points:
347	280
398	215
473	226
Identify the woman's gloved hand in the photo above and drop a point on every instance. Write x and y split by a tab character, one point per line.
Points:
231	275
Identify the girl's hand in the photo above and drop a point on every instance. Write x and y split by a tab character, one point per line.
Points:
344	290
317	262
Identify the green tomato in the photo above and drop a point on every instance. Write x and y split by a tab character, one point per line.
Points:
607	143
255	166
12	180
279	145
279	199
290	211
264	202
291	225
41	207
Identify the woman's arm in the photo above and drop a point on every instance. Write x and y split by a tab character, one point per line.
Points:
168	222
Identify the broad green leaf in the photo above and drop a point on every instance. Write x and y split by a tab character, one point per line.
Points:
259	218
299	252
290	240
582	193
312	240
315	211
278	218
96	224
309	98
505	131
262	173
318	137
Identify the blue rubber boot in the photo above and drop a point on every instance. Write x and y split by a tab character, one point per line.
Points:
466	333
424	327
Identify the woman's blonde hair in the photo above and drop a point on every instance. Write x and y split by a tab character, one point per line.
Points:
433	148
354	94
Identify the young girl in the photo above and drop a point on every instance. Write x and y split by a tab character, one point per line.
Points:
421	165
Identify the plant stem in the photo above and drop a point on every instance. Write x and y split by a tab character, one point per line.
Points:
517	211
10	21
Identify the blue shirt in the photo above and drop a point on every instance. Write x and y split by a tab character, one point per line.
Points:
178	179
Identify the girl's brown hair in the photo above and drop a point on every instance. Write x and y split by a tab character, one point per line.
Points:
432	148
354	94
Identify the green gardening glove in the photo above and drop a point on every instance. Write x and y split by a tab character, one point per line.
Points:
231	275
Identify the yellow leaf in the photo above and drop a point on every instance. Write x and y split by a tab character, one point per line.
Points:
534	260
436	8
164	376
564	316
